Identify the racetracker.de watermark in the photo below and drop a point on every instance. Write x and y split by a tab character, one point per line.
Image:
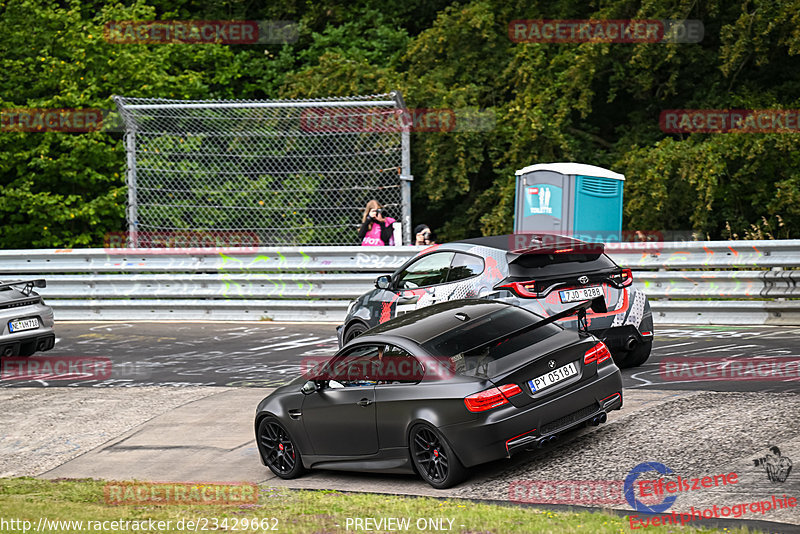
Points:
605	31
165	242
55	368
382	120
381	368
546	242
750	369
570	492
179	493
77	120
200	31
730	121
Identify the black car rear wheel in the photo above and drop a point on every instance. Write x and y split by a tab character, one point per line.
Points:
433	458
278	449
353	331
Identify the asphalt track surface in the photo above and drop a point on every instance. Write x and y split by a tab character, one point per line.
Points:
696	427
265	354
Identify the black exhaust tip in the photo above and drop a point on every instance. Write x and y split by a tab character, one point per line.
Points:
603	417
631	343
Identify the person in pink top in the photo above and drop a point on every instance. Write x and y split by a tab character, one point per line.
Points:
376	228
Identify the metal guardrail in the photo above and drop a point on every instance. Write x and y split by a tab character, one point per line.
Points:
317	283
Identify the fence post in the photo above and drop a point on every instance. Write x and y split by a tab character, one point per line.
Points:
405	174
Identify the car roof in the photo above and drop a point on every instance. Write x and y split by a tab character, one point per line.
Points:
426	323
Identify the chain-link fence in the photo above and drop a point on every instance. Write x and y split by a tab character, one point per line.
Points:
288	172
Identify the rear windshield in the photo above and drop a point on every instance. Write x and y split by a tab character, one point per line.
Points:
535	264
468	347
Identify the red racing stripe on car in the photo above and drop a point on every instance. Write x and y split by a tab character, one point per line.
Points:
425	251
492	270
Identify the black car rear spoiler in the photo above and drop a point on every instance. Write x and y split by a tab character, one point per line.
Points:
553	243
598	305
29	285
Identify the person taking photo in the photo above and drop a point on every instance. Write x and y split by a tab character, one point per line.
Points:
377	229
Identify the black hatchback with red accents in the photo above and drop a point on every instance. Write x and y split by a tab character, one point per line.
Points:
545	275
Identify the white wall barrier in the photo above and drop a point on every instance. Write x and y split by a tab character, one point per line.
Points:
720	282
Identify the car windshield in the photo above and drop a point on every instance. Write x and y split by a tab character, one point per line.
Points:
469	349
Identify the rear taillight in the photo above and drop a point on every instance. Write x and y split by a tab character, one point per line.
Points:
622	279
597	354
491	398
522	289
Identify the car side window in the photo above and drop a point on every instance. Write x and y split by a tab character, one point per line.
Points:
399	367
354	368
426	271
465	266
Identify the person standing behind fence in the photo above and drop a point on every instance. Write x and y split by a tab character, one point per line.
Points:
423	235
376	228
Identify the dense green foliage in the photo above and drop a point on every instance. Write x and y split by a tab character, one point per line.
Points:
596	103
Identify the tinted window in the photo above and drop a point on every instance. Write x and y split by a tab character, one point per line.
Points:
399	367
535	264
373	365
426	271
464	266
353	368
469	349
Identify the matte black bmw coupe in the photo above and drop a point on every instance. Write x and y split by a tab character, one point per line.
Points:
438	390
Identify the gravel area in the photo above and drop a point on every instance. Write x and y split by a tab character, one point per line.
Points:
41	428
701	435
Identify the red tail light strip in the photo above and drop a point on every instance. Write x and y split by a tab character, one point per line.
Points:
597	354
610	397
491	398
523	289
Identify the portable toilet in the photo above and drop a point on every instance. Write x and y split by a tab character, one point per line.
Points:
574	199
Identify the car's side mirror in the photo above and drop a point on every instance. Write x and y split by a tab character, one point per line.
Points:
309	387
383	282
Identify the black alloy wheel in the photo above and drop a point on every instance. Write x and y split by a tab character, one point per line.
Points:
278	450
434	459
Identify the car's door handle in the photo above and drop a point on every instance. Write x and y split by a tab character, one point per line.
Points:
364	402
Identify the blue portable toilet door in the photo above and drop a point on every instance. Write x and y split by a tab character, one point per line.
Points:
540	200
598	208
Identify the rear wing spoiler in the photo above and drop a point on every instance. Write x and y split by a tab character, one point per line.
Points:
551	244
28	285
598	305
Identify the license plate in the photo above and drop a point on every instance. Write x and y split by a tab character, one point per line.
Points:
584	293
23	324
553	377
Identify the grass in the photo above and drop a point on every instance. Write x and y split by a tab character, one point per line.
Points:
321	511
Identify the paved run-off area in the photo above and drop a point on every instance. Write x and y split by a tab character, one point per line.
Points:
206	434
